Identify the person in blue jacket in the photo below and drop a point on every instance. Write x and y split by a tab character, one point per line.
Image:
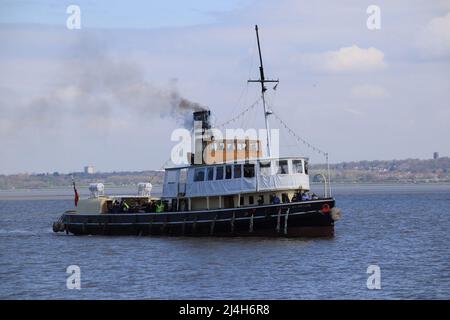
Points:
276	200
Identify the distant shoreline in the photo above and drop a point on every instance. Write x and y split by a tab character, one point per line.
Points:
66	193
408	171
84	188
131	186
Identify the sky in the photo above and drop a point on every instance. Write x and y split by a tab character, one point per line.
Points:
107	94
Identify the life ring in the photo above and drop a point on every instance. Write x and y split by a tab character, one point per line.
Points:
326	208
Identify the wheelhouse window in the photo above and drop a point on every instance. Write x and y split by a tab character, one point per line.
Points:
265	168
199	174
219	173
254	146
210	173
297	166
249	170
171	176
212	149
306	167
237	171
282	167
228	171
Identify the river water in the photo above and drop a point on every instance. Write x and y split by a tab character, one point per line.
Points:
403	229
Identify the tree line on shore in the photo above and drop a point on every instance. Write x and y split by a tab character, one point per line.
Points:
377	171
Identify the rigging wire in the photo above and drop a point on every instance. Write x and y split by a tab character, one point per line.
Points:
253	105
309	145
245	89
164	164
298	138
243	93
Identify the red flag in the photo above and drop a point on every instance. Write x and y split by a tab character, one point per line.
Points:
76	194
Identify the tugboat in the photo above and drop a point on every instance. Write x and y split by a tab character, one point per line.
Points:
228	189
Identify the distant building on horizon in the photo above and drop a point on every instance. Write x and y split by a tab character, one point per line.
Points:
89	169
435	155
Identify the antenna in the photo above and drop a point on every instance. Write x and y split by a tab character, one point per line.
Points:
263	80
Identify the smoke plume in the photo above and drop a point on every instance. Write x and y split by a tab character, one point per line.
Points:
97	91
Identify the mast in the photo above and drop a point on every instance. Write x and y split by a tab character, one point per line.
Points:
263	80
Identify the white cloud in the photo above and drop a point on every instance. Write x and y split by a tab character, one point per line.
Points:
354	112
354	59
368	91
346	59
212	63
434	39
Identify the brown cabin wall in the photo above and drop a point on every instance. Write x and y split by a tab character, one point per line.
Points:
211	156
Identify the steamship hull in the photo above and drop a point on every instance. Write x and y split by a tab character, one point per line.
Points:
296	219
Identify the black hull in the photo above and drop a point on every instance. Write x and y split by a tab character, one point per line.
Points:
297	219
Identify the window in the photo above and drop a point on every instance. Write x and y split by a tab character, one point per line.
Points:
210	173
249	170
265	168
251	199
228	172
212	149
171	176
199	174
183	175
282	167
260	199
297	166
241	201
237	171
306	167
219	173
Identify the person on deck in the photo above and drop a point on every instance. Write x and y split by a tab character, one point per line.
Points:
159	207
261	200
115	207
276	200
124	206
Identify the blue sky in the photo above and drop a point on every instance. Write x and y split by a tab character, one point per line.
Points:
76	97
117	14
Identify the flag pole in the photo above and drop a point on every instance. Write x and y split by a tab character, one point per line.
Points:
76	198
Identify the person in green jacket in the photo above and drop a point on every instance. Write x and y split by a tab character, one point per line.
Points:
124	206
159	206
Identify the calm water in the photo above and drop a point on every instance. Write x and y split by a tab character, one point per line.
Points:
403	229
